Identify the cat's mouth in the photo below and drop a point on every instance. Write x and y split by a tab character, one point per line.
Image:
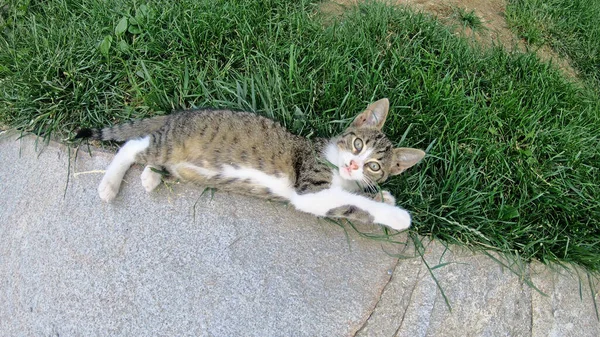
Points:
350	171
346	173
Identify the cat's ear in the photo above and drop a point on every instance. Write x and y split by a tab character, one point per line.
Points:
374	116
404	158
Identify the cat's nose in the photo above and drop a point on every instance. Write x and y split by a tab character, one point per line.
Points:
353	165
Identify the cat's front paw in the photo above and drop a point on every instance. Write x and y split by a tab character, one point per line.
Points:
107	190
393	217
386	197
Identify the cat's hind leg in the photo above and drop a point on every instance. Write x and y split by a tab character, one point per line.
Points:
150	178
111	182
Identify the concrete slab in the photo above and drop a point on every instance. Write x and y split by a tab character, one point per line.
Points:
71	265
486	300
567	308
388	315
176	262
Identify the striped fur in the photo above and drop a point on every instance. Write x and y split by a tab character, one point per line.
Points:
247	153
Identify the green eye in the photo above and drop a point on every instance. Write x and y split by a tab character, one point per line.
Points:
373	166
358	144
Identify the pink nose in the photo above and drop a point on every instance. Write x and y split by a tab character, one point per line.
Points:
353	165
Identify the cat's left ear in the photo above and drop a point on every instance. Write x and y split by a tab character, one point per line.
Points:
404	158
374	116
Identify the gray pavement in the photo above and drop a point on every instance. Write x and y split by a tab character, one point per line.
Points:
178	263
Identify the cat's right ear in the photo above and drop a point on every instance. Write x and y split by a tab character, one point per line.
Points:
404	158
374	116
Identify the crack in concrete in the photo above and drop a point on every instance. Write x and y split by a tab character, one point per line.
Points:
530	305
412	291
435	299
362	326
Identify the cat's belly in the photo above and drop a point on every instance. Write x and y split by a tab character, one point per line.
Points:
237	179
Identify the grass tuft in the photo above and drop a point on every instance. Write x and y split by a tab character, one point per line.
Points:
468	18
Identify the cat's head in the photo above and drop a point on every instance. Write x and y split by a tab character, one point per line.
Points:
364	154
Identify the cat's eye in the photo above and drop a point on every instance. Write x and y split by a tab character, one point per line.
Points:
374	166
358	144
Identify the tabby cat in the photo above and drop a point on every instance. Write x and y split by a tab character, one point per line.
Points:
247	153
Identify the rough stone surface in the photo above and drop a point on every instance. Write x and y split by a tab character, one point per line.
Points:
567	306
176	262
388	315
146	265
486	300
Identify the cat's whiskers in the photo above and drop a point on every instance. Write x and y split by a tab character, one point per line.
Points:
369	184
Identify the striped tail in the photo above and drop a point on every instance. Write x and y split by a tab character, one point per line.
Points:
125	131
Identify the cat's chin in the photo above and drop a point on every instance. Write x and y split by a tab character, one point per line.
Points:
344	175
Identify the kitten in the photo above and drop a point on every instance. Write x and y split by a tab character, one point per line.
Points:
247	153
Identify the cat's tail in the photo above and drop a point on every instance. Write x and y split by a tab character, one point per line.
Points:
125	131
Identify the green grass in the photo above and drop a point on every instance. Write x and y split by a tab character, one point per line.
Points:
513	148
468	18
571	27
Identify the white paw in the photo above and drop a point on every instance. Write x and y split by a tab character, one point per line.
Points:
107	190
386	197
393	217
150	179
